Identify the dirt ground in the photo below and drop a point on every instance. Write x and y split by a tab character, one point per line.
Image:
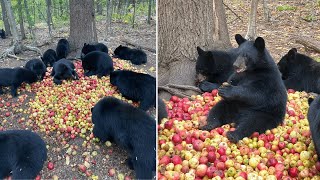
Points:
74	151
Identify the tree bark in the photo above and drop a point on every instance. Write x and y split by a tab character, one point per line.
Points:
99	7
30	23
266	11
308	42
184	25
82	23
134	12
251	32
12	21
5	19
109	17
23	34
49	17
149	11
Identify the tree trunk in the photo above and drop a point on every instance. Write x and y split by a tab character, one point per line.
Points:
182	26
149	11
82	23
61	7
134	12
30	22
5	19
251	32
49	17
266	11
12	22
23	34
99	7
109	17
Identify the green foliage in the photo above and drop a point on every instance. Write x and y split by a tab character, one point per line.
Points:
309	18
286	7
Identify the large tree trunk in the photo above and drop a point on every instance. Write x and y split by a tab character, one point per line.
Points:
5	19
82	23
49	17
184	25
251	32
23	34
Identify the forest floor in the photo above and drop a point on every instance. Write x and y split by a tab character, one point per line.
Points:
67	153
288	20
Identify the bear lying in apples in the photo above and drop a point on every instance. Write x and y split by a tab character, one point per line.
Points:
22	154
49	57
38	67
135	86
136	56
255	97
132	129
62	70
97	63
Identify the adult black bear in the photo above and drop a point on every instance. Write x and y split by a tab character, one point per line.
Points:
62	49
49	57
136	56
38	67
214	67
314	122
15	77
300	72
130	128
94	47
2	34
255	97
162	110
62	70
135	86
22	154
97	63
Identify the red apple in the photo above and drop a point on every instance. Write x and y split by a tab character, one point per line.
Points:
50	165
293	172
203	160
176	139
198	145
201	170
176	160
165	160
211	156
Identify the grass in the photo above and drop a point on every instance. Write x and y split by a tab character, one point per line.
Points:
286	7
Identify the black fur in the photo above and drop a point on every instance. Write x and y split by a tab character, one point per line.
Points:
135	86
131	129
2	34
38	67
136	56
62	70
97	63
162	110
87	48
15	77
49	57
62	49
300	72
255	98
314	122
22	154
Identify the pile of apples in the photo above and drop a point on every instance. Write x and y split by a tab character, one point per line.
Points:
185	152
66	109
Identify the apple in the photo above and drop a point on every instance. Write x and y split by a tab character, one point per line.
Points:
165	160
211	156
201	170
293	172
272	162
203	160
176	139
176	160
198	145
50	165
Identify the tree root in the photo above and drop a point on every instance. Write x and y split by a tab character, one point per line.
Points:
16	57
174	92
10	52
185	87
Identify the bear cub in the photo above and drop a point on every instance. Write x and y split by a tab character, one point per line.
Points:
62	49
254	98
63	70
22	154
49	57
138	87
14	77
38	67
97	63
130	128
87	48
300	72
136	56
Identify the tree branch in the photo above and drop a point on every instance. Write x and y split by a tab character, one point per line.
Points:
308	42
138	46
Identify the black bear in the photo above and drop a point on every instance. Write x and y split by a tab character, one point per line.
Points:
15	77
62	49
38	67
94	47
2	34
255	97
49	57
130	128
314	122
135	86
162	110
300	72
136	56
22	154
62	70
214	67
97	63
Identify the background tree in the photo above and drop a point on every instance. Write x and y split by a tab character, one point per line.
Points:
184	25
23	34
5	18
82	26
49	17
251	32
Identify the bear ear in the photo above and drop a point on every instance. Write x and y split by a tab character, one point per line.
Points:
84	44
310	100
292	53
240	39
259	43
201	52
